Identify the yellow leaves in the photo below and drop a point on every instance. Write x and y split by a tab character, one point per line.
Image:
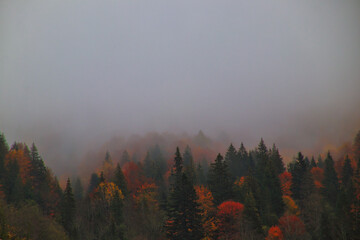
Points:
146	195
290	206
108	190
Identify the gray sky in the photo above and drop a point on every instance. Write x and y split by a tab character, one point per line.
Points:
82	71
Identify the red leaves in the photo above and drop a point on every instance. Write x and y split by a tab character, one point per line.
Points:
275	233
291	225
286	181
133	175
318	176
228	216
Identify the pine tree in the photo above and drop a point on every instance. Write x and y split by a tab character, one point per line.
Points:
184	219
245	161
4	148
189	167
68	209
312	162
231	160
330	182
298	172
38	169
78	190
276	160
356	146
219	180
94	182
125	158
120	181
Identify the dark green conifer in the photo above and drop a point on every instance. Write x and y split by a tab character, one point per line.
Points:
68	210
220	181
330	182
120	181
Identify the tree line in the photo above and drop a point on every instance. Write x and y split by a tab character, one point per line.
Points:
243	194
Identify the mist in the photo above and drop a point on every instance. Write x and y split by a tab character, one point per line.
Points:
74	74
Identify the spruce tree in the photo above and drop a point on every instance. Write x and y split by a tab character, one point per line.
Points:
120	181
189	167
330	182
78	190
220	181
276	160
184	219
298	171
4	148
38	169
245	162
125	158
68	210
231	160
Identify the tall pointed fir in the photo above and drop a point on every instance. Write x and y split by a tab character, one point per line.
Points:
276	160
120	181
68	210
4	148
330	182
245	162
231	160
189	167
219	180
298	171
38	169
184	219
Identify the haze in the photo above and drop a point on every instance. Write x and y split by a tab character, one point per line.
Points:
74	74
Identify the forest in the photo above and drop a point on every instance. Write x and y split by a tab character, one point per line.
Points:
241	194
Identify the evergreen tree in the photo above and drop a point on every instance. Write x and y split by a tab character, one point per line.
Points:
125	158
94	182
159	164
4	148
219	180
189	167
184	219
277	160
38	169
120	180
312	162
298	171
231	159
148	166
356	146
200	175
320	162
78	190
245	161
330	182
68	210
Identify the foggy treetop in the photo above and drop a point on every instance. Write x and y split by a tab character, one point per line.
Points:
74	74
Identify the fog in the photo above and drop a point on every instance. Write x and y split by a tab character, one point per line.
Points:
74	74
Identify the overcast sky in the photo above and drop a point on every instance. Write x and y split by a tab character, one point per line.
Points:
73	71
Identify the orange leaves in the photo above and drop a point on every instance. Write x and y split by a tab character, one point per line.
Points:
146	195
286	181
133	175
291	226
206	204
108	190
290	206
240	182
22	159
318	176
275	233
229	216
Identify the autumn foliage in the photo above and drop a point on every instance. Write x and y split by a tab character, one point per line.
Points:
286	181
228	215
291	226
318	176
275	233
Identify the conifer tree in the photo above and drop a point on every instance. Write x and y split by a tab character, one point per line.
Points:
298	172
4	148
125	157
245	161
94	182
189	167
231	160
120	181
184	219
330	182
38	169
312	162
68	210
276	160
78	190
219	180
